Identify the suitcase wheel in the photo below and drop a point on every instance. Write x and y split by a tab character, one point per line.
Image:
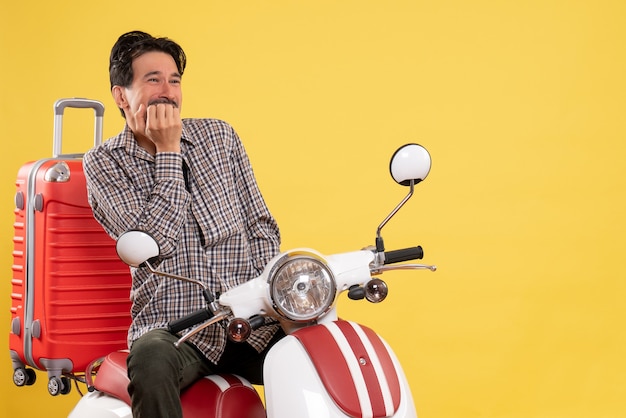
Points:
59	385
22	376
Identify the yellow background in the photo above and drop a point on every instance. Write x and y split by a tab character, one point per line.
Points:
521	104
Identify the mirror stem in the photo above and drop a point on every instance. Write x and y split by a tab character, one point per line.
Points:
380	246
205	291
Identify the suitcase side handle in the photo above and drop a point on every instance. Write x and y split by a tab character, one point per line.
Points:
80	103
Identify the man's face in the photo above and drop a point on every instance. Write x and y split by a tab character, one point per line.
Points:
155	80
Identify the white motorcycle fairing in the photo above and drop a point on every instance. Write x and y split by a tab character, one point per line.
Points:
335	370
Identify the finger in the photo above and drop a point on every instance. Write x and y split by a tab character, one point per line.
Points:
176	112
165	111
140	118
153	112
150	115
161	111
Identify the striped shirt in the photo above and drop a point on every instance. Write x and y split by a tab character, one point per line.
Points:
204	208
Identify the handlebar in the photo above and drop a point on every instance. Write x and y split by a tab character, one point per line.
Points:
190	320
212	314
405	254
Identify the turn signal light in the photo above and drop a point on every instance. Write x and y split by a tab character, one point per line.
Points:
376	290
239	330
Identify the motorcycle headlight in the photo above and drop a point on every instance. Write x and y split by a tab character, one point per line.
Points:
302	286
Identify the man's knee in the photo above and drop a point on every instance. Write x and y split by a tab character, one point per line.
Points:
153	354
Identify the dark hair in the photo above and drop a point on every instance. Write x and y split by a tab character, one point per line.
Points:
134	44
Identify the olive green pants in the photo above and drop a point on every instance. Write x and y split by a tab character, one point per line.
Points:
158	371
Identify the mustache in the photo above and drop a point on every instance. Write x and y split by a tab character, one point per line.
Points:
162	100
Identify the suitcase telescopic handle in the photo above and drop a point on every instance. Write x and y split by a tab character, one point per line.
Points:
59	109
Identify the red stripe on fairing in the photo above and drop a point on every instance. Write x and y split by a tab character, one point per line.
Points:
372	382
393	383
333	370
331	367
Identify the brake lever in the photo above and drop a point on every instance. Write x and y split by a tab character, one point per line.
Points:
217	318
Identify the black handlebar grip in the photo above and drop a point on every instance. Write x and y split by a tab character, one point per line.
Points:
256	322
189	320
405	254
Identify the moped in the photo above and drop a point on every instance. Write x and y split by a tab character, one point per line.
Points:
324	367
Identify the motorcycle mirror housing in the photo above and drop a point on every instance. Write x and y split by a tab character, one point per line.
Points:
409	165
136	247
410	162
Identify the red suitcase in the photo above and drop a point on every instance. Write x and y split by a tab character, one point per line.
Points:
70	292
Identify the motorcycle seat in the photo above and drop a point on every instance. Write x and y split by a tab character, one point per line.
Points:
112	377
224	395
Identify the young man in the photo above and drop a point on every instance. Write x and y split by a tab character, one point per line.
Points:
188	183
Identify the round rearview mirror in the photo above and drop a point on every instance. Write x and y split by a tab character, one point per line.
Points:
136	247
410	162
